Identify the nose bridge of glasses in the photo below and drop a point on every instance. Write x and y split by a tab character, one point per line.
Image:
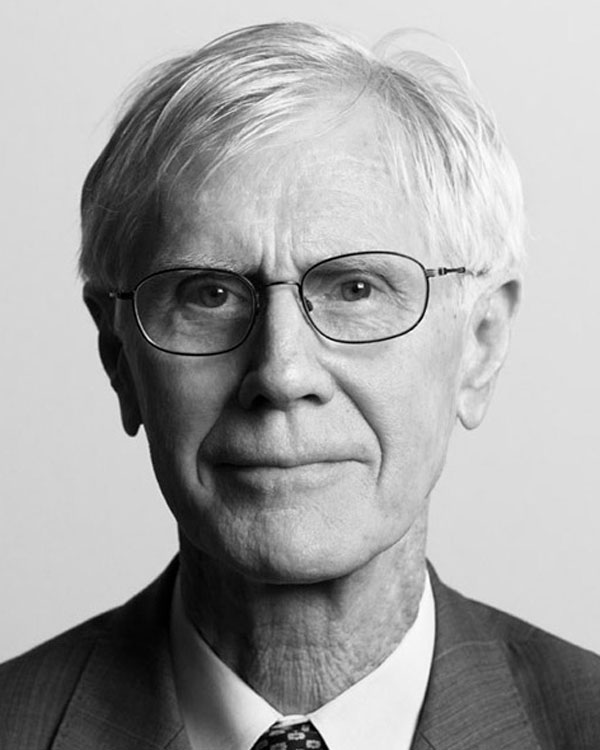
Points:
297	284
282	283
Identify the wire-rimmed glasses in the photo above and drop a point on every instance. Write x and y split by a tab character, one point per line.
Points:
356	298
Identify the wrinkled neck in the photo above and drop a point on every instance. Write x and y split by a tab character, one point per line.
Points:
301	645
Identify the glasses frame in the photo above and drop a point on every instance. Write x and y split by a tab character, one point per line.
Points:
256	290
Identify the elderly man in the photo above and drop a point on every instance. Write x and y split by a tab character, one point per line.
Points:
303	262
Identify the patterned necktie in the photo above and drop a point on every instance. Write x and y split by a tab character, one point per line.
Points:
300	736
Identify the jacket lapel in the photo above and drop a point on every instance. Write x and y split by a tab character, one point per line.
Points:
471	701
125	698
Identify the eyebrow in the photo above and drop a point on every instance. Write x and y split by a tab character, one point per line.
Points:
202	260
314	252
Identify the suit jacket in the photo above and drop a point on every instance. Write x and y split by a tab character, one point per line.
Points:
497	683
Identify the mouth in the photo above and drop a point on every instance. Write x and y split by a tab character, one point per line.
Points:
277	462
270	472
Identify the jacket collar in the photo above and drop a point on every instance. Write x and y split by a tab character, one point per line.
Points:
472	700
125	698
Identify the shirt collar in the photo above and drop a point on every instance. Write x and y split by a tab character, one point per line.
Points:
222	712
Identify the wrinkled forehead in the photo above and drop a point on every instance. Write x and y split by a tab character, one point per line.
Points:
320	184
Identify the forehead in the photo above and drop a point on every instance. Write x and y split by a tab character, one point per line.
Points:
313	191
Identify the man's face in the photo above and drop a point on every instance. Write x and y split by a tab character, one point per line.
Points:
294	458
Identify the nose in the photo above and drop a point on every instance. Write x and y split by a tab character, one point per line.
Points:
284	366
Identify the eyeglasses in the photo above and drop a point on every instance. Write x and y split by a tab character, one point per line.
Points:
358	298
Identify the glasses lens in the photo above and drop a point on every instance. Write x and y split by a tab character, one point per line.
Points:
195	311
365	296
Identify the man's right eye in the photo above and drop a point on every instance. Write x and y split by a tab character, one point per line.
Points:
355	289
210	295
202	292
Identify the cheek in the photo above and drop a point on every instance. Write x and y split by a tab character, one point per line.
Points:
180	400
409	402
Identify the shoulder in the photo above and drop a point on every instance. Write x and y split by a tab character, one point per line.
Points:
557	682
36	686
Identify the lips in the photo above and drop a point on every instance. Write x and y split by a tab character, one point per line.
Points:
276	476
280	443
277	461
259	457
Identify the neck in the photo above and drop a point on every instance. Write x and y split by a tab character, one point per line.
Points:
299	646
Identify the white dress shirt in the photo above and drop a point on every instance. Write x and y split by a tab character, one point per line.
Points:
221	712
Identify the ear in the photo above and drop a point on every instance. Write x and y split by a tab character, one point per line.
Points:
102	310
487	340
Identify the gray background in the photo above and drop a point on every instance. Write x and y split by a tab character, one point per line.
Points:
515	519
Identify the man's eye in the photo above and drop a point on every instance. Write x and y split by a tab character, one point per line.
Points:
203	294
211	295
355	289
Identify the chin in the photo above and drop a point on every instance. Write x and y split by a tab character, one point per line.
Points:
301	538
294	559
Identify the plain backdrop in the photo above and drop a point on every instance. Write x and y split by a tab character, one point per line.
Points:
516	516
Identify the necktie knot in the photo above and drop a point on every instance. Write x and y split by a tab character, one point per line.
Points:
300	736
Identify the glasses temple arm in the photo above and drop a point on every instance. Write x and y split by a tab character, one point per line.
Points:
120	295
443	271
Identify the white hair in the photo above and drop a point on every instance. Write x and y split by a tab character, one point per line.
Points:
441	145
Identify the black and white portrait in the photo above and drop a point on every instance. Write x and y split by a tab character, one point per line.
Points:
300	408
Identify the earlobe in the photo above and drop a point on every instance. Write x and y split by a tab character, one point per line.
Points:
486	347
115	363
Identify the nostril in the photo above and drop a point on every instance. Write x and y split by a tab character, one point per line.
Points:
256	397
